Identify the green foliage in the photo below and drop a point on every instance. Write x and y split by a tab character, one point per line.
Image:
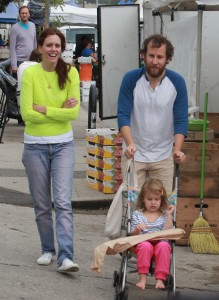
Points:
99	2
52	2
56	23
3	5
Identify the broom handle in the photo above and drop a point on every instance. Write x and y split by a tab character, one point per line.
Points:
203	156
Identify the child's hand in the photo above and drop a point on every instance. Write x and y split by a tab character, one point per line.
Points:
170	209
140	227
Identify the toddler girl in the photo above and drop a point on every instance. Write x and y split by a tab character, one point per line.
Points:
152	214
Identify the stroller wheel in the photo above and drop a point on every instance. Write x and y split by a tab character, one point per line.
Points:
115	278
125	293
121	295
177	296
169	283
171	296
117	294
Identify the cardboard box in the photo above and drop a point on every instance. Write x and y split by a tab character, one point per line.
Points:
187	212
107	187
104	151
105	175
84	60
104	136
87	84
85	99
84	92
104	163
190	171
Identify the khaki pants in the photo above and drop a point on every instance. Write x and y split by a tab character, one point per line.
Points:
163	170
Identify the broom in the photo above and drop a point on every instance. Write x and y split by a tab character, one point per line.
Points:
202	239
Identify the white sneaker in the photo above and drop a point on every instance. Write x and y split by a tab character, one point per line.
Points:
68	266
45	259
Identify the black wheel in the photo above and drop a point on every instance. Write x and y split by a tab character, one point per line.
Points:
169	282
115	278
125	293
92	107
117	293
177	296
121	295
171	296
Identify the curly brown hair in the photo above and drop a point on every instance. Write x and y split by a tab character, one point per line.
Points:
157	41
156	186
62	68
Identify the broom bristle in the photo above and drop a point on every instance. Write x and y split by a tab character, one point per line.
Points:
202	239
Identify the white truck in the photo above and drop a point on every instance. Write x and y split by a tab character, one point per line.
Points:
73	36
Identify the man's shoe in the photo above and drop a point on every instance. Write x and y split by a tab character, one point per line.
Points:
45	259
68	266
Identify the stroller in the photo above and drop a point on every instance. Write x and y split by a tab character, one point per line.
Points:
9	108
120	277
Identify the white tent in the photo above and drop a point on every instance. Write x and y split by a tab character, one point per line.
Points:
200	7
77	16
183	5
71	15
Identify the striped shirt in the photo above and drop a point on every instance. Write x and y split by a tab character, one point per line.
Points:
157	225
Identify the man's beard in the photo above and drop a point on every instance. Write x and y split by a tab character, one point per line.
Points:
155	72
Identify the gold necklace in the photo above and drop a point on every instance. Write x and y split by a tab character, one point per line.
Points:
49	82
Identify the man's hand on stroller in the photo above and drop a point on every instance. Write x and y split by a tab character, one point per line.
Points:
179	157
130	150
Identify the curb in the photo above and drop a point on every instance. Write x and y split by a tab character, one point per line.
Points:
22	199
91	204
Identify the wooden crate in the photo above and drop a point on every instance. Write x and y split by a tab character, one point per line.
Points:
190	172
198	135
188	211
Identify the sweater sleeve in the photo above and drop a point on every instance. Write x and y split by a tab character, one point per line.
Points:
126	96
35	39
63	114
180	109
26	100
54	113
125	102
13	56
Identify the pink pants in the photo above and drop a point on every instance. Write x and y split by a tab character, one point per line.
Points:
161	251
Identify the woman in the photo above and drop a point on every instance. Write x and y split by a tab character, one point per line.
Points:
50	94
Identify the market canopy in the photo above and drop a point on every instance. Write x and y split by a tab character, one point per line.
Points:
77	16
71	15
10	15
71	2
181	5
204	6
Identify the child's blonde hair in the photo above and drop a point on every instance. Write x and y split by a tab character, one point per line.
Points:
152	185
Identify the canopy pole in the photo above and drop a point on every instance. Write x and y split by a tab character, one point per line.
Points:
199	56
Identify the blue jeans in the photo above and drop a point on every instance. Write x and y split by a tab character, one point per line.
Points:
50	168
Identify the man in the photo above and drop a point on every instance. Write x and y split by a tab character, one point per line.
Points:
88	51
22	39
153	113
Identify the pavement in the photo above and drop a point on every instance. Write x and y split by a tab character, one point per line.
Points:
13	177
197	276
